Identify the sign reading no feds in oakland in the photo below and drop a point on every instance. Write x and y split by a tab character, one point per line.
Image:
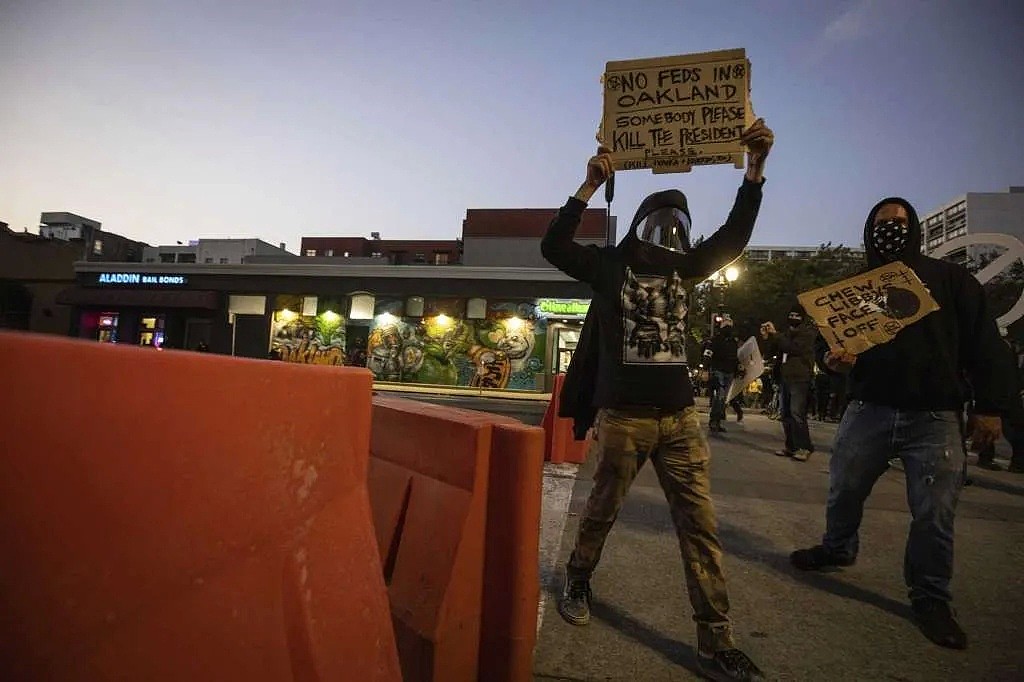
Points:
672	113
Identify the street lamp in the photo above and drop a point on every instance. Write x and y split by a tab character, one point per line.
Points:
721	279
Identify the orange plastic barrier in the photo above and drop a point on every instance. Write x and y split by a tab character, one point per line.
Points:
185	516
456	496
428	487
512	561
560	445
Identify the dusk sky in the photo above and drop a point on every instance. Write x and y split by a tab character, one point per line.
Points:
178	120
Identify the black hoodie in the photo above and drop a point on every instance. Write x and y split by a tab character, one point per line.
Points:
924	366
639	303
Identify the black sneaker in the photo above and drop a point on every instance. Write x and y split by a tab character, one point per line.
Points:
936	620
819	557
730	664
574	606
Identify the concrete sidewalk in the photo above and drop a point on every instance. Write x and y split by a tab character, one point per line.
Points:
847	625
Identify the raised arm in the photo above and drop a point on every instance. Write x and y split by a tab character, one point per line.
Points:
558	245
728	242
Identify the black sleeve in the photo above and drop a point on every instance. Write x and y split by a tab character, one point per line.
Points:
982	352
558	247
728	242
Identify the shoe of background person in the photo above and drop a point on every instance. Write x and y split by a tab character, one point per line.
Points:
783	453
730	664
819	557
989	464
802	455
936	620
574	605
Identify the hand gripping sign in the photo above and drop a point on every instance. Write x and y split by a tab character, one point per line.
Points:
869	309
671	113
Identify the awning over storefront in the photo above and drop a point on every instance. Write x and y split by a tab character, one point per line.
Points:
139	298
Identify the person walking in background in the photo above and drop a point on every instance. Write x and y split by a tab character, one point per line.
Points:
720	354
634	375
906	400
795	348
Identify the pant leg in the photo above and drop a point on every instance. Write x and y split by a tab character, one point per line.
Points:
784	415
799	394
682	462
860	454
931	446
722	383
623	443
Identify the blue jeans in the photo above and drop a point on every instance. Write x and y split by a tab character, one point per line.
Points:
793	408
931	447
721	382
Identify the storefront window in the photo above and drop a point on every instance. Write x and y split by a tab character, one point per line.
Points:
151	331
106	328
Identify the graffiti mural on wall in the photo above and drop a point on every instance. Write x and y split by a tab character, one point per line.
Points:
505	350
311	340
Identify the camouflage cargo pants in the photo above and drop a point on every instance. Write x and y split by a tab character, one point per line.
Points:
675	444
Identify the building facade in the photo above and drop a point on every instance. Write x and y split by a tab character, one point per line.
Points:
392	251
511	237
481	328
974	213
86	234
766	254
213	251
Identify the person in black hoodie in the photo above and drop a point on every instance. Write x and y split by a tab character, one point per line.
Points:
906	401
721	352
640	385
795	350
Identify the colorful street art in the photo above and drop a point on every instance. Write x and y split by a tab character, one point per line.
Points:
505	350
311	340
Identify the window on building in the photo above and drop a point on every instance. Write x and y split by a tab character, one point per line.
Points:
345	254
310	252
150	260
420	258
97	247
166	257
329	252
207	260
223	261
440	258
186	258
362	307
376	254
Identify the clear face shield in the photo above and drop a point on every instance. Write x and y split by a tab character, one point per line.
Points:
666	227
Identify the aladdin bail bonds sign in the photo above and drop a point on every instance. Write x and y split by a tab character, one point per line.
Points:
671	113
869	309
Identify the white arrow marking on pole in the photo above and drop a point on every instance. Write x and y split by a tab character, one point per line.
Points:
1014	251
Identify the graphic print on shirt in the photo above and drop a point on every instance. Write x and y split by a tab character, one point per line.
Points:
653	312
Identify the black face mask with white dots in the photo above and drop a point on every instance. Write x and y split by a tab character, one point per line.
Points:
890	238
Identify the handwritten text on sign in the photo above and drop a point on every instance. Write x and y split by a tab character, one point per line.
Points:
671	113
869	309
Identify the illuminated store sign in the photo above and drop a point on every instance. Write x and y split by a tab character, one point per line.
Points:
139	278
563	307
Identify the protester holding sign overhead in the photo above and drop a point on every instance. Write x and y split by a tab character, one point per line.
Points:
906	400
639	381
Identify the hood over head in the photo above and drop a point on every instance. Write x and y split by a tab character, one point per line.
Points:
661	223
904	245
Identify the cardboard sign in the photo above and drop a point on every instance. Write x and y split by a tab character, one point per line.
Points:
749	357
671	113
869	309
